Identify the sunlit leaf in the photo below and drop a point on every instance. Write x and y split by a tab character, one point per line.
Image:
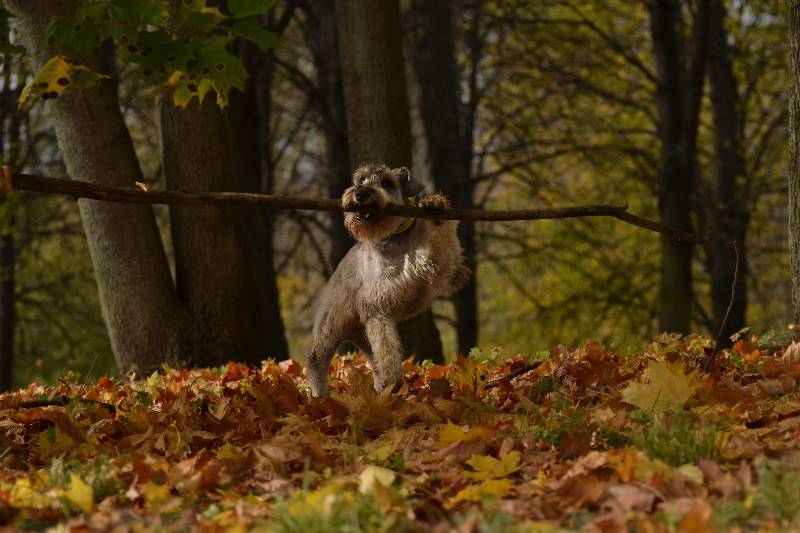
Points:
488	467
667	388
80	494
372	475
58	74
490	489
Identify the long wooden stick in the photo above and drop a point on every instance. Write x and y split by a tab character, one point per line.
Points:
131	195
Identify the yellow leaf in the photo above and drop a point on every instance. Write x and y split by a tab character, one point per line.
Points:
372	475
491	488
488	467
56	76
53	441
153	493
229	452
24	495
668	387
692	473
80	494
452	433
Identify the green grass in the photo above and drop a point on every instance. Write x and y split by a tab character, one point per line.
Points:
679	439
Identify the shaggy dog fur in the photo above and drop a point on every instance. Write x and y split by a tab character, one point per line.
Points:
394	272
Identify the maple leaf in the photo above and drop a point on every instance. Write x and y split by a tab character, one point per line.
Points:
488	467
668	388
452	433
53	442
56	76
153	493
80	494
492	489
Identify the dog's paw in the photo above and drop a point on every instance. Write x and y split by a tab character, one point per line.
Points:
435	201
460	278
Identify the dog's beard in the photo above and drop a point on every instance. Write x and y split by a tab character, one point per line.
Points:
371	227
370	223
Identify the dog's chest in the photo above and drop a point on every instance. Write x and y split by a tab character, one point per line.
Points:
398	279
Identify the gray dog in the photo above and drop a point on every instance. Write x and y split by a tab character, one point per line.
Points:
393	273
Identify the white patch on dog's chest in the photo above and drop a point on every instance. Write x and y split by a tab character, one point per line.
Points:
416	270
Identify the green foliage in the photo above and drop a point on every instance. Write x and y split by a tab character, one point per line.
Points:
680	439
187	52
332	510
778	490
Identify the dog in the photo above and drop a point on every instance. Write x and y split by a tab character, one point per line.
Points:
394	271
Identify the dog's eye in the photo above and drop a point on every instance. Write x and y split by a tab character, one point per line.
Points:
387	184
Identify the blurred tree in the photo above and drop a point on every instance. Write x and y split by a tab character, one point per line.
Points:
218	309
449	128
730	215
794	154
328	97
681	75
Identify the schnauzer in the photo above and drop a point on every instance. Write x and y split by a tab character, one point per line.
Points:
393	273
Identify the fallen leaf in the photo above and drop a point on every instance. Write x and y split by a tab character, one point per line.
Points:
488	467
490	488
80	494
668	388
374	474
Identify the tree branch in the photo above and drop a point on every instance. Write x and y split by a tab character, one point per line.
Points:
130	195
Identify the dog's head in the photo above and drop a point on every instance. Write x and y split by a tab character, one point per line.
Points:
375	186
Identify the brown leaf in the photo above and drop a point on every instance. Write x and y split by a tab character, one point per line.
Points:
573	445
580	490
625	498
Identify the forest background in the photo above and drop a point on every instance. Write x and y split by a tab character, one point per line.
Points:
677	108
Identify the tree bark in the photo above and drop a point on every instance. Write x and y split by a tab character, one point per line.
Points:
324	44
146	322
218	273
378	121
252	145
449	146
7	311
730	217
794	154
678	98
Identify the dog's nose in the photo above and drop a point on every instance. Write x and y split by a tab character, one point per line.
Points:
363	195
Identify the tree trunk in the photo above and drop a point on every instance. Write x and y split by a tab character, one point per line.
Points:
794	154
218	273
678	98
9	136
434	61
252	142
325	49
146	322
7	312
378	121
729	214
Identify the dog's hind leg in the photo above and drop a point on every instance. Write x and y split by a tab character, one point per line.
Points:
387	357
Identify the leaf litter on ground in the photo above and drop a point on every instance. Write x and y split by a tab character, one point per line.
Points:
588	440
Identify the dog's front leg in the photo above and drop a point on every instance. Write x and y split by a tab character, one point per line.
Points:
387	351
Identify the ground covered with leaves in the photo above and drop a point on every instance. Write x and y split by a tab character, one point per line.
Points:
590	439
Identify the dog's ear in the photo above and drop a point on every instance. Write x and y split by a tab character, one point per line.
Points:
409	185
